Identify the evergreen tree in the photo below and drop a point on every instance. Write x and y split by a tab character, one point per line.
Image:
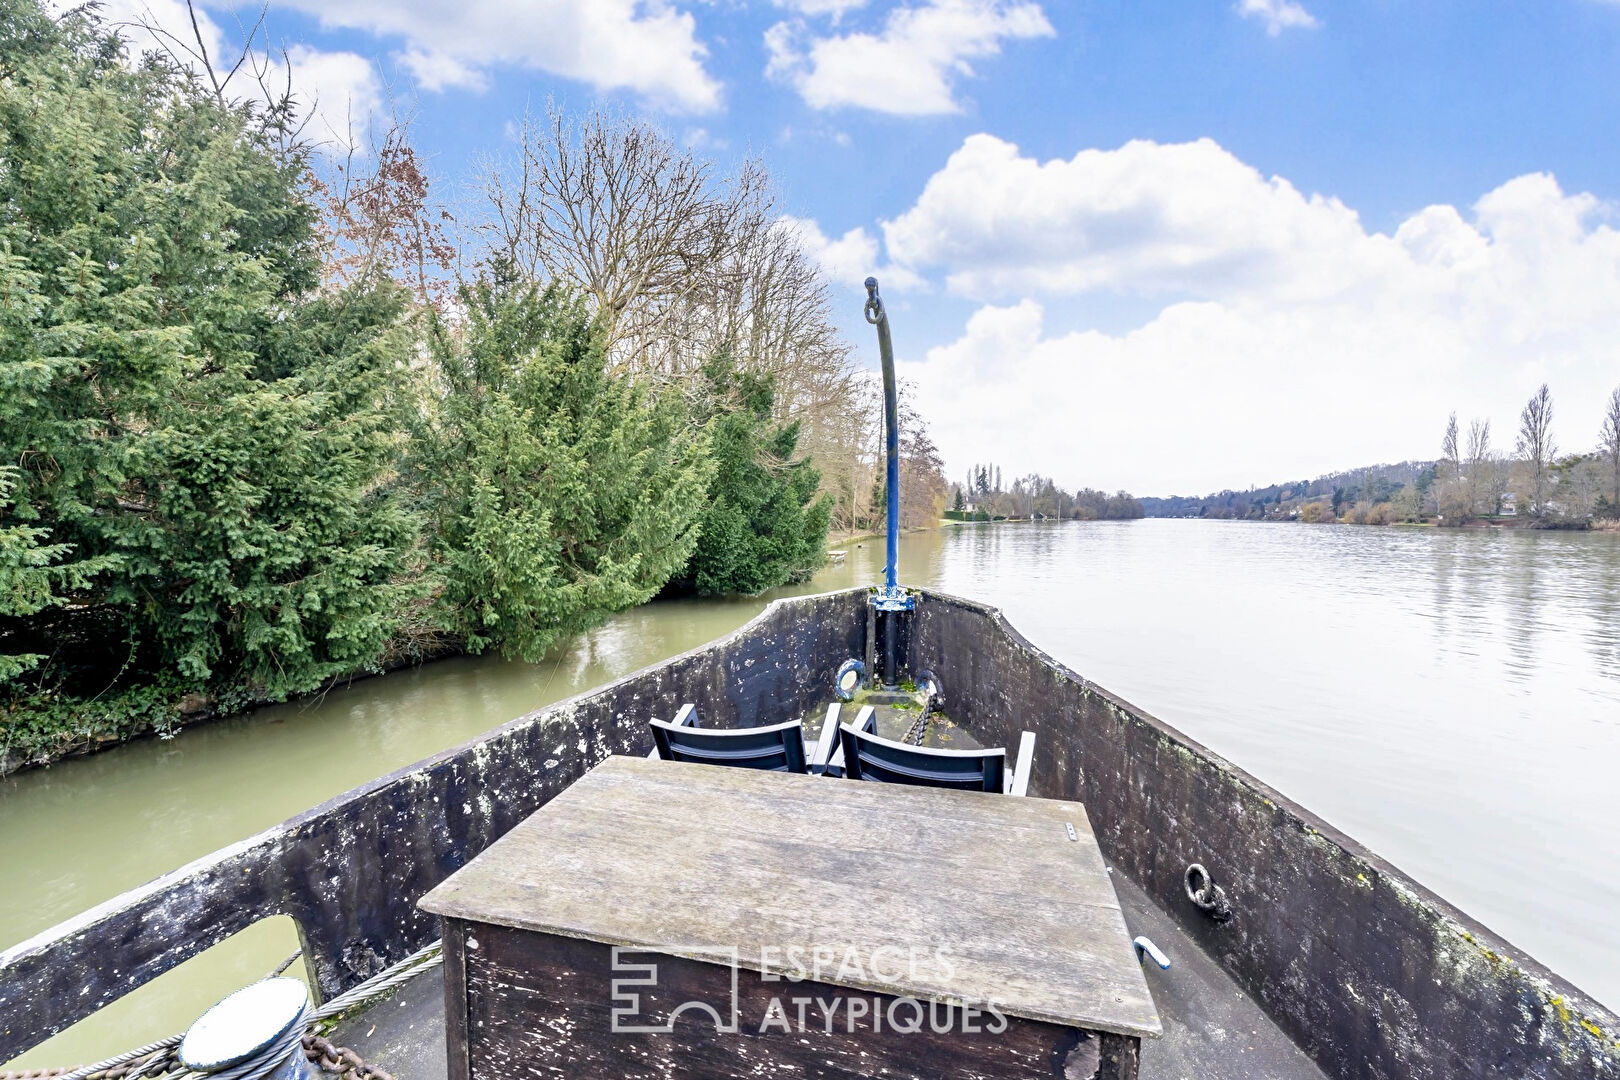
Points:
554	492
31	573
198	432
763	525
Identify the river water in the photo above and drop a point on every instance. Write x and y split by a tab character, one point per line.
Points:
1450	699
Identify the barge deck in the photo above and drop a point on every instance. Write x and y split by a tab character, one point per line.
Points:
1331	959
1212	1029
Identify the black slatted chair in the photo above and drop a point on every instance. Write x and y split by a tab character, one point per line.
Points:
776	747
864	755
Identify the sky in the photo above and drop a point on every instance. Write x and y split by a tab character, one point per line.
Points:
1170	246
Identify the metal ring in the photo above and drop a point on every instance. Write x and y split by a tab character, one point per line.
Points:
838	680
926	678
874	302
1196	892
1209	897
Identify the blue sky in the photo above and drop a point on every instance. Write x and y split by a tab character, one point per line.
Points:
1170	245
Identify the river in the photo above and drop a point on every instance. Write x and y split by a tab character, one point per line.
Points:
1450	699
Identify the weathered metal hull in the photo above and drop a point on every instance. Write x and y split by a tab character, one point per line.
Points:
1369	973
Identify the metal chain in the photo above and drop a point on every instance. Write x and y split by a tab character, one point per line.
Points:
919	728
340	1060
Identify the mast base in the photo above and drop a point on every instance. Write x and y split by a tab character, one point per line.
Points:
892	598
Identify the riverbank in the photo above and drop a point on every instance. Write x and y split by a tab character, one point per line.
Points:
42	730
1502	523
59	729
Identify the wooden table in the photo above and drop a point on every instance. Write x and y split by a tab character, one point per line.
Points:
650	921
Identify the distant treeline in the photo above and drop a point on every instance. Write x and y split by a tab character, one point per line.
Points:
982	497
1378	482
1536	485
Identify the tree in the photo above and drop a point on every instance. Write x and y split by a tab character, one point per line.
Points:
555	493
378	217
1480	465
763	524
187	416
1537	450
1609	448
681	263
616	211
923	489
1451	494
31	573
1448	444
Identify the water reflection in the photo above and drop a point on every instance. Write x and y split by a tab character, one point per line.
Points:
1450	699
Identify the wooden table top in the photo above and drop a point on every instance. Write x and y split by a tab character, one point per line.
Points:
957	896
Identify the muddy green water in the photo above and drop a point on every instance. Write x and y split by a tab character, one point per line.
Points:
1450	699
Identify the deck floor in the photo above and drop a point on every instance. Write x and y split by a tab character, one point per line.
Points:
1212	1030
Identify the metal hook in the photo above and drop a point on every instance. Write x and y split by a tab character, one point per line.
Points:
1144	945
874	303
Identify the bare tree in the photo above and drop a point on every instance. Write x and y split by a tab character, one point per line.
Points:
1450	496
683	264
1479	465
923	490
190	50
380	217
281	112
1537	450
614	208
1609	447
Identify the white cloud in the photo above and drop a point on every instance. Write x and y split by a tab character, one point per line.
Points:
851	258
441	71
1292	341
644	46
910	68
341	89
1278	15
699	138
1165	218
834	8
338	92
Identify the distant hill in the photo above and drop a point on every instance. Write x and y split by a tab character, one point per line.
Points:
1376	481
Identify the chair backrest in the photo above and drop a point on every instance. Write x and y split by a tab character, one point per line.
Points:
871	757
778	747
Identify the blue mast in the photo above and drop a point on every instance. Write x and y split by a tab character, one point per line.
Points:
891	597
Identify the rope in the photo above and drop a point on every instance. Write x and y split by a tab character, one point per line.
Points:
274	1054
159	1059
426	958
285	964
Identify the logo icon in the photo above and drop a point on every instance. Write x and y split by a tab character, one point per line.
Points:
627	1015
